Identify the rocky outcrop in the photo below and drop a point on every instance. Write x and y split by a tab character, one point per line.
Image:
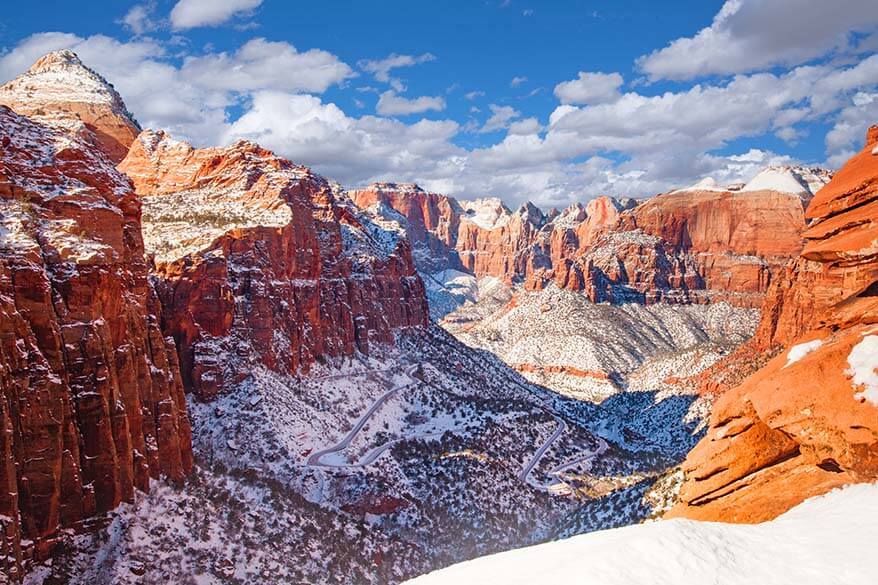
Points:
698	246
92	402
807	421
432	221
260	261
59	90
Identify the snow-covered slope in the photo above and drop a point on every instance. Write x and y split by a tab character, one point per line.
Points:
825	540
789	179
374	470
561	340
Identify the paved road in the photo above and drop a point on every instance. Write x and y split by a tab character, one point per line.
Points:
314	459
370	457
525	471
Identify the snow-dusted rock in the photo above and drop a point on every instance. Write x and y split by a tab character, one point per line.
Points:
93	404
804	423
60	91
260	261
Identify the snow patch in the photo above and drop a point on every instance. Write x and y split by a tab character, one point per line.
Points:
787	179
863	361
799	351
685	551
488	213
705	184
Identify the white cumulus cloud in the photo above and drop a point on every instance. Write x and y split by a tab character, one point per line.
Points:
194	13
391	104
752	35
590	88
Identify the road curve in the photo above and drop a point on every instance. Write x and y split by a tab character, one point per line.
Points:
314	459
525	471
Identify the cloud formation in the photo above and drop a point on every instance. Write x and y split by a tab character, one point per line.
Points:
599	138
391	104
590	88
753	35
188	14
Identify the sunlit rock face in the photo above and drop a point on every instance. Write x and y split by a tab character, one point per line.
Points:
93	402
59	90
808	420
262	261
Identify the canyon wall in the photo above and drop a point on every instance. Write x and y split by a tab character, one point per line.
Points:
262	261
694	245
92	403
807	421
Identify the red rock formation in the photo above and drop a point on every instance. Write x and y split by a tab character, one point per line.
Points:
260	261
492	240
60	90
92	402
696	246
432	220
685	246
802	424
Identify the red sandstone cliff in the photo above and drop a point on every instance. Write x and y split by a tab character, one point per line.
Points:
694	245
259	261
58	89
92	402
808	421
697	246
432	220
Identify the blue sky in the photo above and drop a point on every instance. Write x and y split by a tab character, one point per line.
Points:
549	101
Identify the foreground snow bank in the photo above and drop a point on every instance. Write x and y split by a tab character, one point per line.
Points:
825	540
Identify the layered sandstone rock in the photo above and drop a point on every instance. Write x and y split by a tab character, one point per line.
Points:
59	90
261	261
92	402
808	420
700	245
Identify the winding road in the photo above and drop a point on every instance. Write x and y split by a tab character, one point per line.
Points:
314	459
525	471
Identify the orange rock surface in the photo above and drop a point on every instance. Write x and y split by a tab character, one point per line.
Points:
803	424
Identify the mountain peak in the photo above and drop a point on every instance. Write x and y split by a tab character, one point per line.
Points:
59	90
55	60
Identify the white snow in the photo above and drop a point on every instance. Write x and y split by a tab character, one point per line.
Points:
182	223
875	150
799	351
488	213
705	184
863	361
827	539
780	179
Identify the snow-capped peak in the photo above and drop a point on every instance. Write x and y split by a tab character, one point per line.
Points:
488	213
60	77
789	179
